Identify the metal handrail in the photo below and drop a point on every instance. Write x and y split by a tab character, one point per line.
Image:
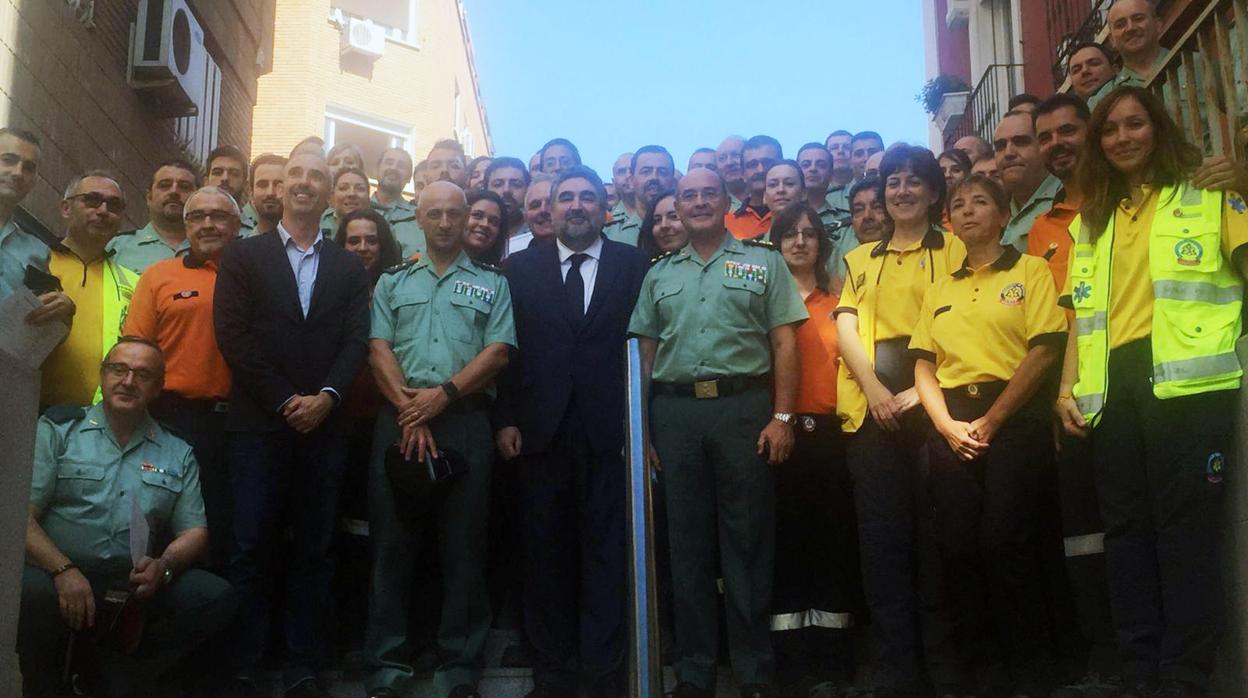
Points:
987	102
646	669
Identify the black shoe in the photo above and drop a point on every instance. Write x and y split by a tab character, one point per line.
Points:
464	690
308	688
1178	689
1091	685
1138	689
756	690
382	693
688	690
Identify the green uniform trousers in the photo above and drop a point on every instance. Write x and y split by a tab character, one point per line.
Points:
463	512
719	494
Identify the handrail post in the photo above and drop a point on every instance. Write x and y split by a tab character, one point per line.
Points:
646	670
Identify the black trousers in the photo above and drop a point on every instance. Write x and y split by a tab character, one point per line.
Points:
901	568
572	503
988	525
202	424
278	479
196	606
1159	469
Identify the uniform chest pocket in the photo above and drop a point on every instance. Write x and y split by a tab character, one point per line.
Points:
408	309
666	299
469	317
743	299
79	481
160	491
1082	271
1191	248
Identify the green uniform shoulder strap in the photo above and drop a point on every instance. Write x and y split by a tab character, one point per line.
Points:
487	266
64	414
662	257
759	242
401	265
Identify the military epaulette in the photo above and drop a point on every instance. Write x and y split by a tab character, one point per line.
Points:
402	265
487	266
663	256
403	220
63	414
759	242
127	232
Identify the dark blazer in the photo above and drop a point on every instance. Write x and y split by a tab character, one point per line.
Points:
272	350
557	361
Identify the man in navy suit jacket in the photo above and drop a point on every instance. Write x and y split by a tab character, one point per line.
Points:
291	317
561	410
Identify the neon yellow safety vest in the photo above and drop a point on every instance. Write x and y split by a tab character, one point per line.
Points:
118	289
1197	299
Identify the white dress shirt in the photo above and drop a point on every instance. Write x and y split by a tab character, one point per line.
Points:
589	267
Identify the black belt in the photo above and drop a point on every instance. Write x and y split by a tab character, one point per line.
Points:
712	387
469	403
174	402
818	422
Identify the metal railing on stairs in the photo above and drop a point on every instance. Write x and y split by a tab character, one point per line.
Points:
1071	23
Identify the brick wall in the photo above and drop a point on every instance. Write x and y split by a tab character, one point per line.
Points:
67	82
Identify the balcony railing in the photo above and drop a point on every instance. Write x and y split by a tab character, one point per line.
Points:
1204	80
1070	23
987	103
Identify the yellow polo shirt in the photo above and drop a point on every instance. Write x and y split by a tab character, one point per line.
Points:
976	325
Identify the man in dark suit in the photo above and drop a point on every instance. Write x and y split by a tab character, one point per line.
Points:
291	317
561	410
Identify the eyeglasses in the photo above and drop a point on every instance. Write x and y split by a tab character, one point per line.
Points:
119	370
93	199
219	217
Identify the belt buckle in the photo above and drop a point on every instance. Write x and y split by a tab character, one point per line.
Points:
703	390
221	407
808	423
972	391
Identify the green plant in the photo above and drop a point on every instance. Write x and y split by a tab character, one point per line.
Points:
936	88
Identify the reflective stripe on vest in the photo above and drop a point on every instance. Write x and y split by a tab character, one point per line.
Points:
1197	298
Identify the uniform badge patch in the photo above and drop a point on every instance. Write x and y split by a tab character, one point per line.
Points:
1012	294
1214	467
1236	202
747	272
463	288
1188	253
1082	290
183	295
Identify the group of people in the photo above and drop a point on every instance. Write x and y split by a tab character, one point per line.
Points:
978	402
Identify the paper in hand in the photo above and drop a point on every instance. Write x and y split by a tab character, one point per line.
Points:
139	532
29	343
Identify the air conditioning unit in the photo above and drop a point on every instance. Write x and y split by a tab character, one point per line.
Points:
362	37
168	60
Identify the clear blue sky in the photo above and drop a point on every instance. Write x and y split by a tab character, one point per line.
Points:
613	76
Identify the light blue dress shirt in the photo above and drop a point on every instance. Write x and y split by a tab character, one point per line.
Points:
304	264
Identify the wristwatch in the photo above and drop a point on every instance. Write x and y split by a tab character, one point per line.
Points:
167	574
786	417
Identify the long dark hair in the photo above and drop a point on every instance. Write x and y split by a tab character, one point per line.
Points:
389	254
645	237
1172	161
787	219
494	253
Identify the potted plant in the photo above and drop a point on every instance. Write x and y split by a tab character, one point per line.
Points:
944	97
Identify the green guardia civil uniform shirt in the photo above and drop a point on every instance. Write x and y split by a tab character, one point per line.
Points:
247	221
84	485
436	325
139	249
401	215
838	199
1023	217
712	319
1126	76
19	249
625	227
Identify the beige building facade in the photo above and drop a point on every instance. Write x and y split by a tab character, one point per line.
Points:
374	73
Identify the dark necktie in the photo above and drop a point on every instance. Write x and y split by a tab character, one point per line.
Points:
574	288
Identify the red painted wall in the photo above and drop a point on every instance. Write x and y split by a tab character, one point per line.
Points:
953	46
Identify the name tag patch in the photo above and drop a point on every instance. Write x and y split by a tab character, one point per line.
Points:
463	288
183	295
748	272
